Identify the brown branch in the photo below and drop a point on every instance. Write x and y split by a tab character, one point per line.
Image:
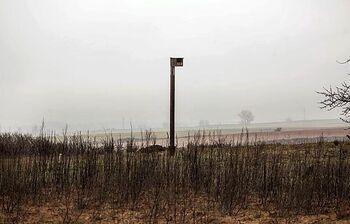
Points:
347	61
338	97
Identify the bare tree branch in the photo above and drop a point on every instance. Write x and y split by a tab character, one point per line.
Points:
347	61
338	97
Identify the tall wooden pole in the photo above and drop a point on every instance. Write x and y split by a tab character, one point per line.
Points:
174	62
172	108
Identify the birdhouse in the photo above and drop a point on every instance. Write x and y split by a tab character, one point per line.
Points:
177	62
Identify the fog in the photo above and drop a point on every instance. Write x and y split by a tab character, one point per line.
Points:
92	64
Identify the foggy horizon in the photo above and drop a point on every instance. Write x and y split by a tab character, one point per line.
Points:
91	64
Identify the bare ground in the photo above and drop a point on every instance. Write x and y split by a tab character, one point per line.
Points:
54	213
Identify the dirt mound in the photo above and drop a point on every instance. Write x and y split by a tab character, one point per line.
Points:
153	148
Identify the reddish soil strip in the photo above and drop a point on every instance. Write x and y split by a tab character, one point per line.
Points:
280	135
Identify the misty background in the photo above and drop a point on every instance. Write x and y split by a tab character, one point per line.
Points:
94	64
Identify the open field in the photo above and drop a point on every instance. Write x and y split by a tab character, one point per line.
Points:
78	179
282	132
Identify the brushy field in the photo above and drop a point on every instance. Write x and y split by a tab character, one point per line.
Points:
77	179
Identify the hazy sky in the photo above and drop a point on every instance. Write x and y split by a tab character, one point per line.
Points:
91	63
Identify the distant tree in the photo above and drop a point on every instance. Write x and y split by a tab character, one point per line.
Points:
246	117
338	97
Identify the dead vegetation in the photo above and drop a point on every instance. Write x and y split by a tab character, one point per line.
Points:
78	179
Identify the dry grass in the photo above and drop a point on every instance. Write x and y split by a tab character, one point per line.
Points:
77	179
50	213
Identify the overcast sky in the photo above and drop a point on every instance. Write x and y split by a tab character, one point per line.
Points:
91	63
